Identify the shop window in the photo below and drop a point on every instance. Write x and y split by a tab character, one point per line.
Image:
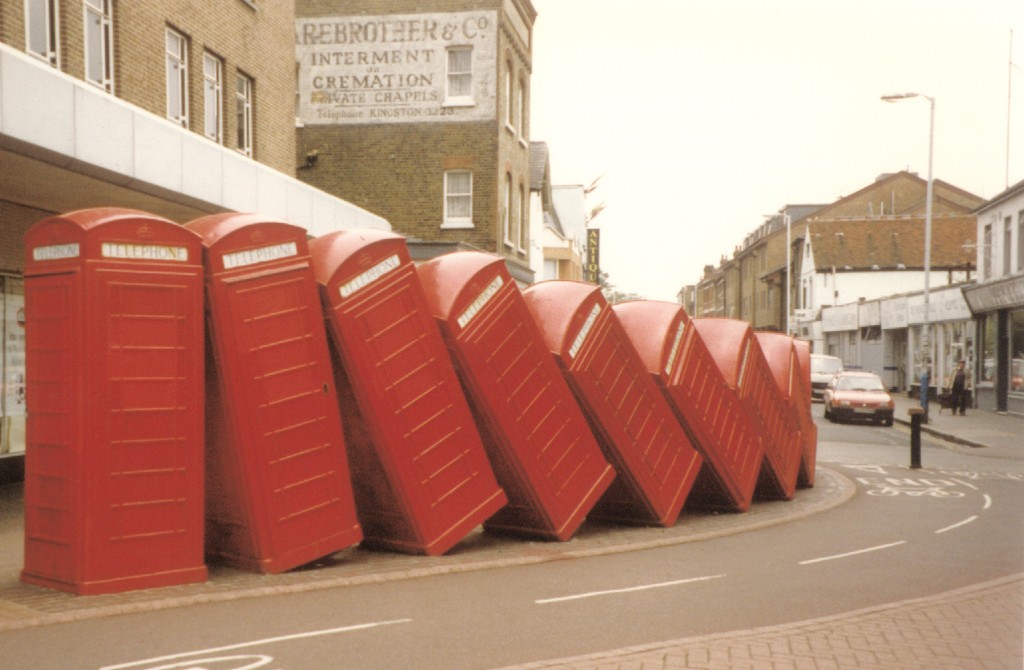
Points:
1017	351
987	373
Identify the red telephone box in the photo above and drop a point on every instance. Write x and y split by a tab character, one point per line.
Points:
114	382
739	357
278	489
542	450
653	457
802	399
421	475
718	425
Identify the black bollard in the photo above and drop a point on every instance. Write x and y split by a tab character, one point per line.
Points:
916	415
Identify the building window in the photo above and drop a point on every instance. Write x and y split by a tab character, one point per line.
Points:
243	114
177	78
506	214
1007	244
41	30
460	76
99	50
213	98
522	109
524	227
458	199
509	119
1020	241
986	252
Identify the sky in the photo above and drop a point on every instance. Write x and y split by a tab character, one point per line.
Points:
702	117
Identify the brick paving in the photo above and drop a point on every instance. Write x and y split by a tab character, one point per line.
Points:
979	627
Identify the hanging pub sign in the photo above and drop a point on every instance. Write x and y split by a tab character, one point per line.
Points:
592	269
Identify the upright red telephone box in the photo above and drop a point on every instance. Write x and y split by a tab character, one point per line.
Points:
542	450
739	357
114	382
651	453
278	488
421	475
718	425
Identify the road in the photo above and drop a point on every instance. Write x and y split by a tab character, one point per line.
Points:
905	534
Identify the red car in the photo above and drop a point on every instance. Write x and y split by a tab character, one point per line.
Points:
858	395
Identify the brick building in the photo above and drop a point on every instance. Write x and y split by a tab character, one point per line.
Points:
174	107
419	112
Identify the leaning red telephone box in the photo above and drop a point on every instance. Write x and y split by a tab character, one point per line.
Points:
278	490
735	349
421	475
542	450
114	382
718	425
651	453
802	399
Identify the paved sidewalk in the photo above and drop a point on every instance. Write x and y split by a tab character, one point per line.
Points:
977	627
994	435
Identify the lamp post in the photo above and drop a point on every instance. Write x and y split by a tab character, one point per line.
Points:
925	344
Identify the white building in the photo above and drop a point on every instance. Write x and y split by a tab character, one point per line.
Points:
997	302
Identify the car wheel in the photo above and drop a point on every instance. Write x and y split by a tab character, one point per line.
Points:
887	421
828	413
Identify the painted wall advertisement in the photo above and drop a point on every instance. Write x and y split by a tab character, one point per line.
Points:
397	68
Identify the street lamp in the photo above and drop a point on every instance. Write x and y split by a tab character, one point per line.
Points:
925	344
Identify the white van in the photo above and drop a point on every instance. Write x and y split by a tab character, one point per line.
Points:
823	368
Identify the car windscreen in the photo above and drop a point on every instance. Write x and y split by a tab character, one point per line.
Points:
826	366
859	384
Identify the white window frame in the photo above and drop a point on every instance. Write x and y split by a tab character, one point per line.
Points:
103	12
509	93
450	220
243	113
522	112
50	24
213	97
177	76
506	213
524	228
460	99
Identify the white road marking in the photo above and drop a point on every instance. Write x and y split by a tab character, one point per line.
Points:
971	486
852	553
988	501
957	525
253	643
631	589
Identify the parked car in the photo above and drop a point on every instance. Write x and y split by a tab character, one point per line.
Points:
823	368
858	395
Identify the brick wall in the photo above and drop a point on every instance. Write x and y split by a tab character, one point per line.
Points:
15	220
257	39
396	170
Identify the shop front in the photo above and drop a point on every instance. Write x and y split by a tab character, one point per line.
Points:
998	308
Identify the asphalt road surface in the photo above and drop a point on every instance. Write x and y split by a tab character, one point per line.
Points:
905	534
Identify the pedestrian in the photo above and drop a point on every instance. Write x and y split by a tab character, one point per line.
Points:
959	389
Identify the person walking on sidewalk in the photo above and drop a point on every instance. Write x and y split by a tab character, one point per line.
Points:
959	390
